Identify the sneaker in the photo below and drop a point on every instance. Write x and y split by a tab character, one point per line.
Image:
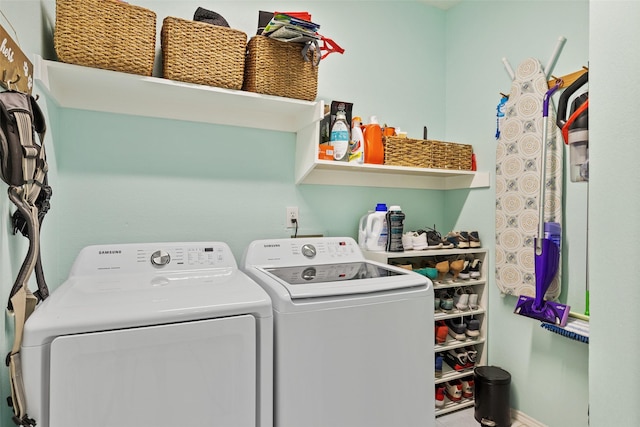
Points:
419	240
473	299
456	330
434	239
446	302
453	390
407	240
474	270
458	241
436	303
472	355
467	387
474	240
461	299
464	273
441	332
473	327
438	367
457	359
440	395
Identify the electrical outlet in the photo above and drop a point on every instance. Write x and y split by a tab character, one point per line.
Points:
292	217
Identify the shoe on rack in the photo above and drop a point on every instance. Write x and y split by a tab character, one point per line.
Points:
440	395
436	303
407	240
456	330
474	270
455	267
438	363
446	302
461	299
467	387
441	332
434	238
473	327
474	240
472	355
419	240
473	298
464	273
458	241
457	359
453	390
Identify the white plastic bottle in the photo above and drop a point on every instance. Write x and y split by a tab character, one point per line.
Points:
340	137
356	147
376	228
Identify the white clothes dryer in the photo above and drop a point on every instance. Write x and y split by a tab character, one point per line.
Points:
353	338
151	335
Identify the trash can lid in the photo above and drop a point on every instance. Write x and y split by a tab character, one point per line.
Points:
492	374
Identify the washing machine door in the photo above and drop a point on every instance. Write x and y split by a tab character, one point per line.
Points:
192	373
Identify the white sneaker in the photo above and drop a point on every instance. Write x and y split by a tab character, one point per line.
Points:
407	240
419	241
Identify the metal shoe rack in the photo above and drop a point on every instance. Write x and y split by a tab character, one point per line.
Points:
416	257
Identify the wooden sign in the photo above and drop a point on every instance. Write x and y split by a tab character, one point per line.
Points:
16	71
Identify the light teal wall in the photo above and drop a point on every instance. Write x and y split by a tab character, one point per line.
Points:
127	179
544	366
614	207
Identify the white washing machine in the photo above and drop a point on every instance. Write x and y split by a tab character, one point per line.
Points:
151	335
353	338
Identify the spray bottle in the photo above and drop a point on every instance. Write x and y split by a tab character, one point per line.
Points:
356	146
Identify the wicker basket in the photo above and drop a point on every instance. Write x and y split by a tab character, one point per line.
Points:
421	153
198	52
277	68
106	34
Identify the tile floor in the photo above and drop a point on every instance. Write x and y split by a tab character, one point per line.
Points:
465	418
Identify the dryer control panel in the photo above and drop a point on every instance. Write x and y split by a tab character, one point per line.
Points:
132	258
291	252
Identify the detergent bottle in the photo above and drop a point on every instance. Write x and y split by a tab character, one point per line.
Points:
373	148
395	224
356	146
376	229
340	137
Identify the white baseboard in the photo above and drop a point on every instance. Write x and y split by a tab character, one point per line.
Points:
525	419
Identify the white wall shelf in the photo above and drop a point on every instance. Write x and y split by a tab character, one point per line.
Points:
93	89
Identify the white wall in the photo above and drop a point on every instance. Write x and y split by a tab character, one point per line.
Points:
614	206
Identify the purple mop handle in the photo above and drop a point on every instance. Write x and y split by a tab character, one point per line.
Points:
547	97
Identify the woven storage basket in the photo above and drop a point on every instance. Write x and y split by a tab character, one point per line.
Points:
198	52
106	34
277	68
421	153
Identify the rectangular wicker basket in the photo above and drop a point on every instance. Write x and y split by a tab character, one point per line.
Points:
421	153
277	68
106	34
198	52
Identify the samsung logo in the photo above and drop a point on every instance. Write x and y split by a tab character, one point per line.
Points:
114	252
275	245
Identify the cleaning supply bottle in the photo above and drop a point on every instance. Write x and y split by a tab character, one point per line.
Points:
340	137
373	148
377	229
356	146
553	232
395	222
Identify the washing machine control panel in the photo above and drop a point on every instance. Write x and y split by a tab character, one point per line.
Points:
149	257
318	250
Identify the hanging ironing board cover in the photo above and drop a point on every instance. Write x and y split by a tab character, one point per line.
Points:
518	179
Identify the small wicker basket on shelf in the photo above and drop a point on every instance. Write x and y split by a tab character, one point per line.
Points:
106	34
422	153
277	68
198	52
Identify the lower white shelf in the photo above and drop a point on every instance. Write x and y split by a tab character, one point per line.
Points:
450	406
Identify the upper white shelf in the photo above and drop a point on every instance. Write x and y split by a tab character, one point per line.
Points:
85	88
74	86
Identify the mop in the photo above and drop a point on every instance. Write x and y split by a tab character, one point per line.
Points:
547	252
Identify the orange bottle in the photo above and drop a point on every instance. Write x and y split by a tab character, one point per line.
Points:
373	148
